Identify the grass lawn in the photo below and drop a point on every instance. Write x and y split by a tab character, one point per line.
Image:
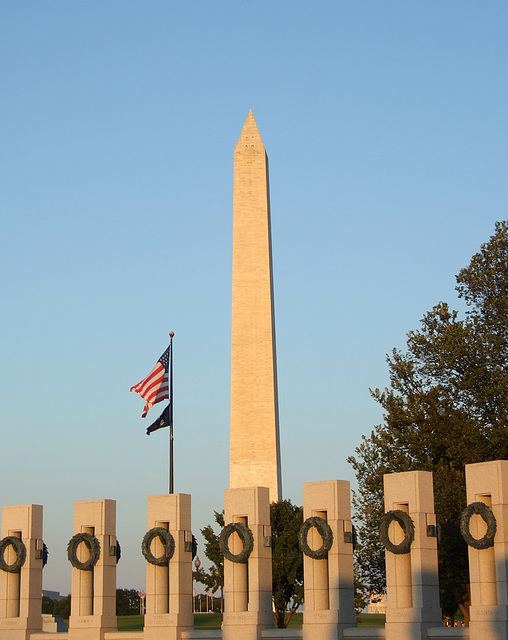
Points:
213	621
130	623
207	620
296	621
201	621
371	620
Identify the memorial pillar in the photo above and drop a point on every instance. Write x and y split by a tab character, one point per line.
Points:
21	590
248	582
93	586
168	587
328	580
487	483
412	582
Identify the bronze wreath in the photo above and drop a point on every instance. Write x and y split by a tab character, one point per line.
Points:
407	526
246	537
94	549
20	549
324	530
168	542
490	520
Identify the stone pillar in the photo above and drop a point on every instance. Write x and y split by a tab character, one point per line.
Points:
169	588
248	586
487	482
21	592
328	582
93	592
412	582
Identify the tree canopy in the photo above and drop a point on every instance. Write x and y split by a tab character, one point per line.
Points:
213	578
447	406
127	602
287	560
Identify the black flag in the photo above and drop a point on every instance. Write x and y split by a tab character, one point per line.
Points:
162	421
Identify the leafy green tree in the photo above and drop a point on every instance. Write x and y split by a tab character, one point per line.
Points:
127	602
213	579
287	560
447	406
62	608
47	604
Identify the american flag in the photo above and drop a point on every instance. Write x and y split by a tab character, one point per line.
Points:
155	387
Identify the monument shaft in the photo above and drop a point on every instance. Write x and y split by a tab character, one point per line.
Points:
254	446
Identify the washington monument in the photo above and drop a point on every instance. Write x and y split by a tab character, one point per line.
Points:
254	446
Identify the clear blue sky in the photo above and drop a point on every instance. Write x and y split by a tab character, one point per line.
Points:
386	130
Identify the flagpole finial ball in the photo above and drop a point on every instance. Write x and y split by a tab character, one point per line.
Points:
171	334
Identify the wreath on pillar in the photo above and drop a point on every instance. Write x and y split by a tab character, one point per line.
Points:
489	518
324	530
407	527
20	550
168	542
94	550
246	536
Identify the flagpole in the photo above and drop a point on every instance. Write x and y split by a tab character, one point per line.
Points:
171	474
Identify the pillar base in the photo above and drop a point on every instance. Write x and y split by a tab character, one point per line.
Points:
488	622
325	625
167	625
410	630
91	627
246	625
19	628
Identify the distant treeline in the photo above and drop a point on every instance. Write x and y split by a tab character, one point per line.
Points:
127	604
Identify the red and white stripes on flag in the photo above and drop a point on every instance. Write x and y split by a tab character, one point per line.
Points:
155	387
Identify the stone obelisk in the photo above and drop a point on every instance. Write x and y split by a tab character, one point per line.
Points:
254	446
